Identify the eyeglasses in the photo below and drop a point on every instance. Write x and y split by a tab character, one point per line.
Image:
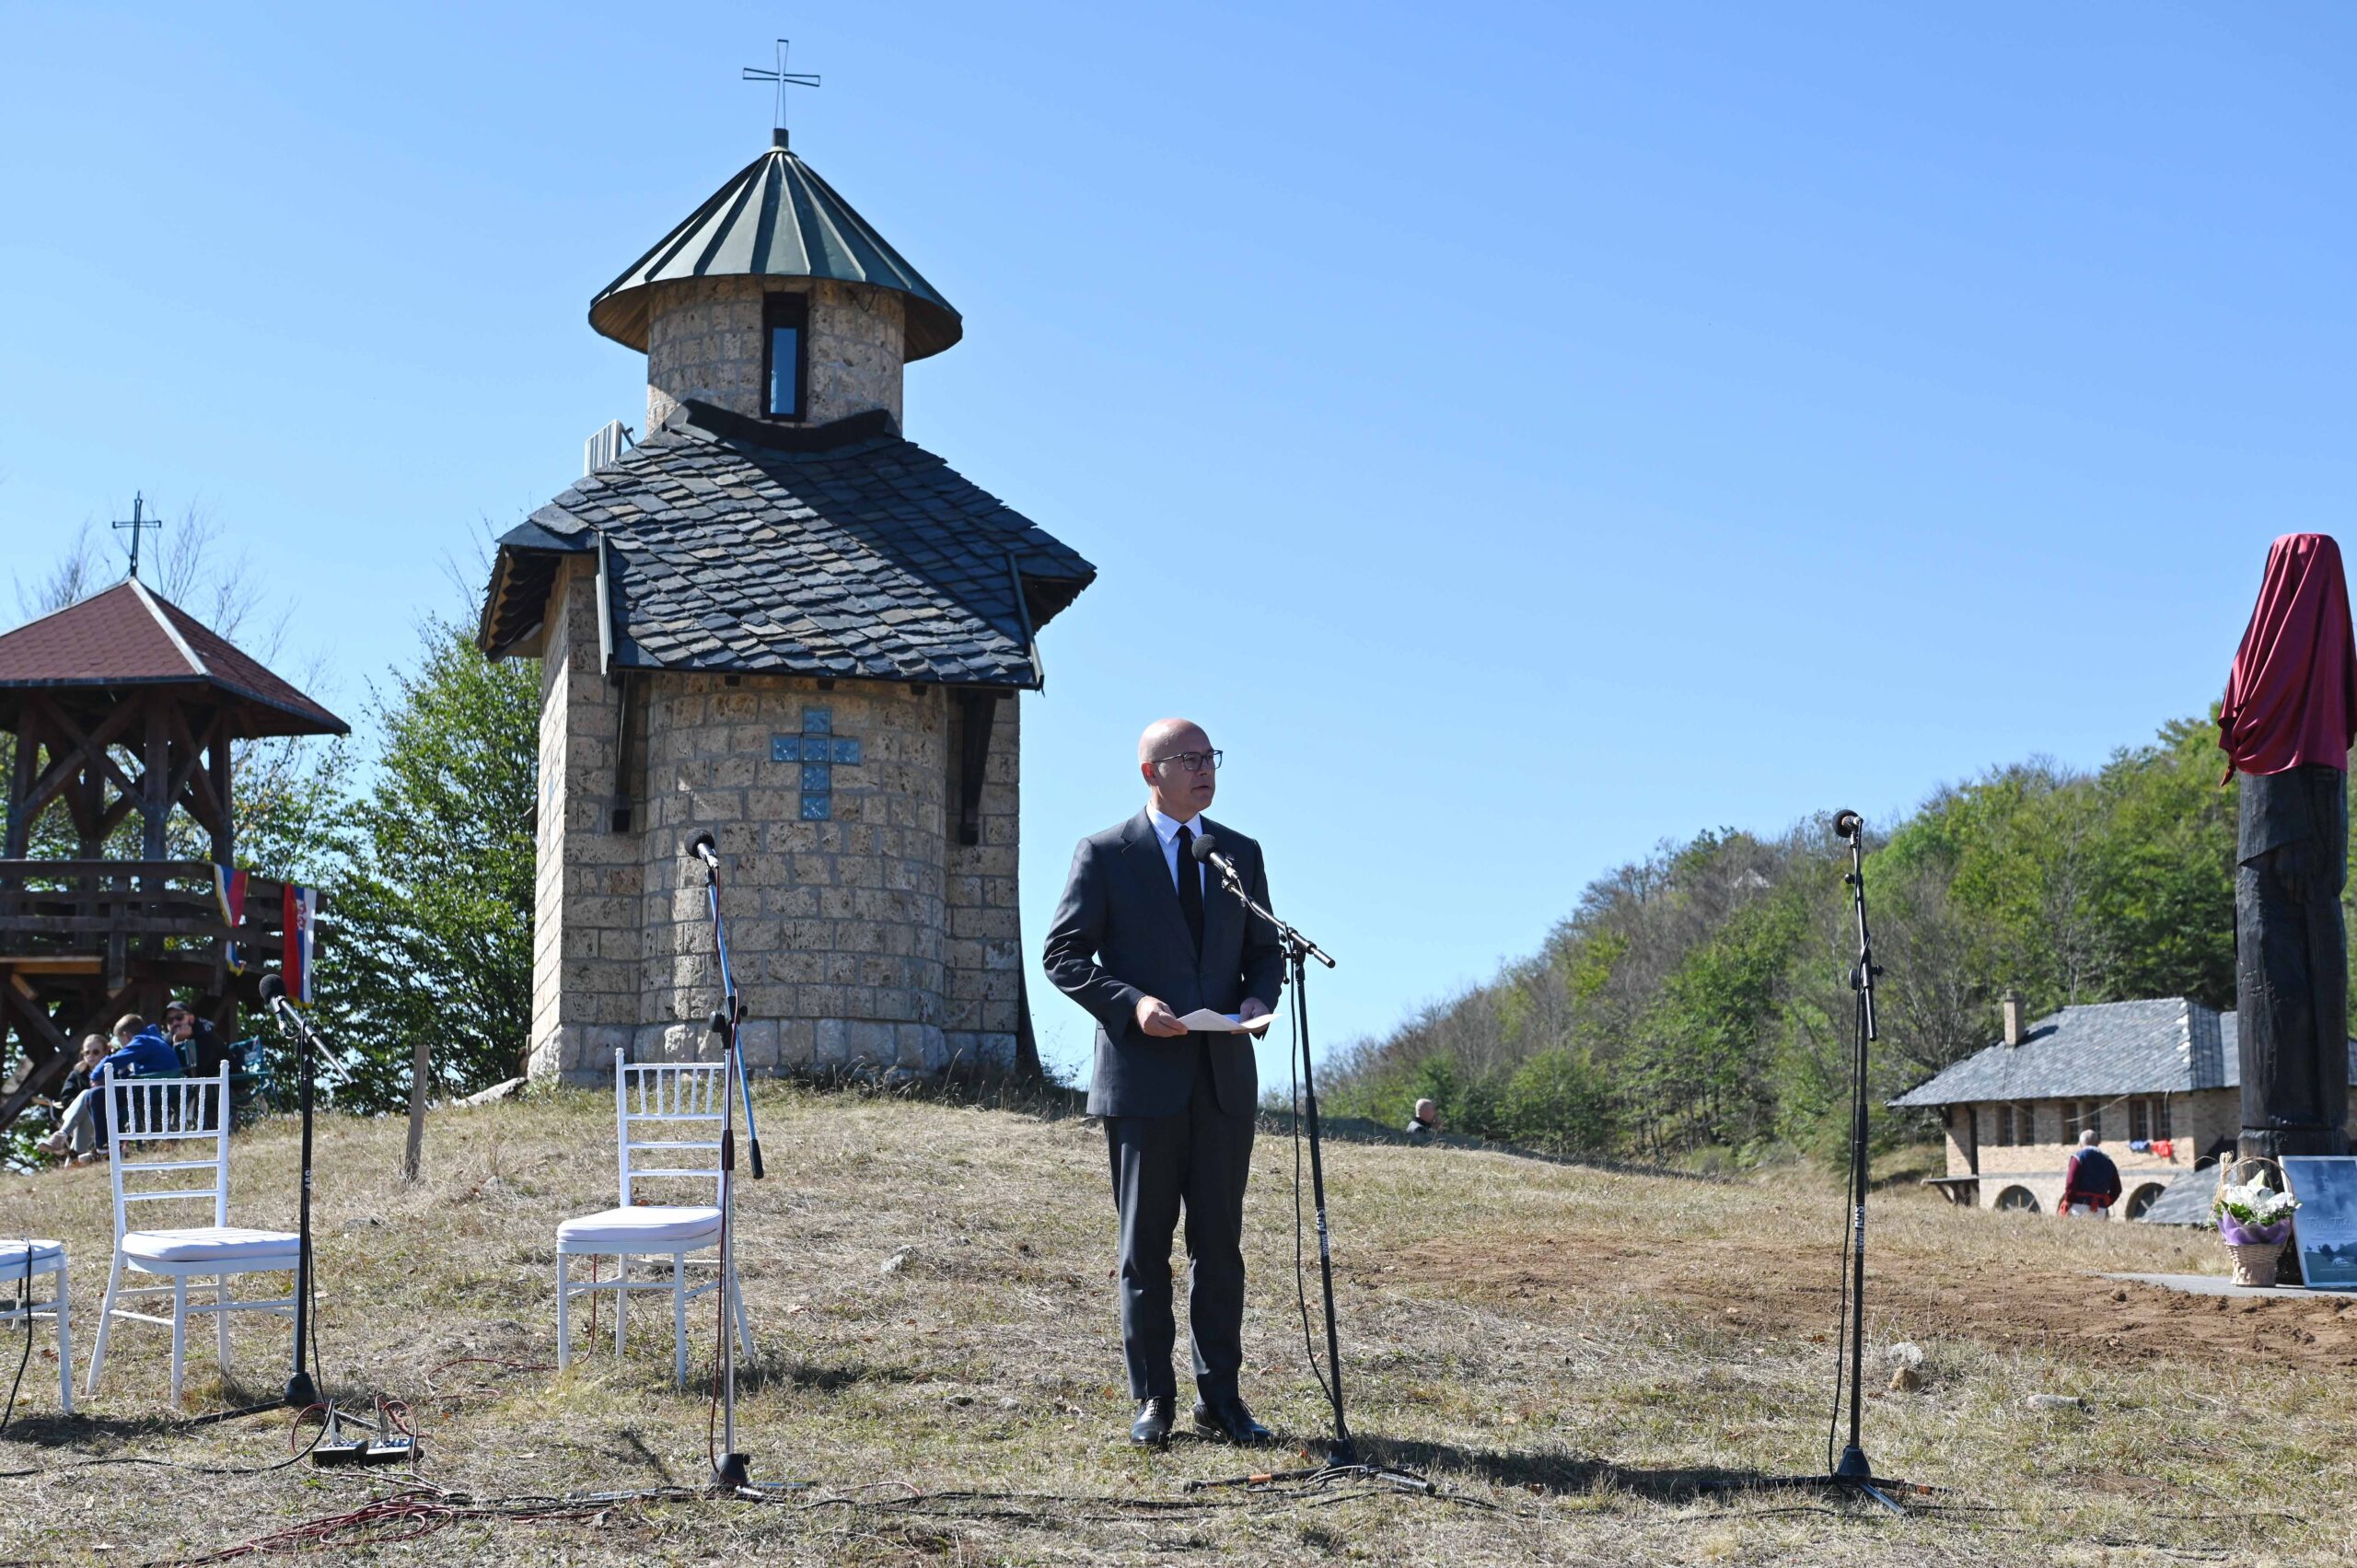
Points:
1193	762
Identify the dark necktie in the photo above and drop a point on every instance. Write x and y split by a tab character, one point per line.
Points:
1191	888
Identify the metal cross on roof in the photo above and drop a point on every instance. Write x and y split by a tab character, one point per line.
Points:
782	78
139	523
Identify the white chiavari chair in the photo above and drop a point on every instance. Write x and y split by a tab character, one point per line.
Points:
171	1145
667	1125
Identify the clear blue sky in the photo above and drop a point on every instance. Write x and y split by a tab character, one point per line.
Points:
1520	433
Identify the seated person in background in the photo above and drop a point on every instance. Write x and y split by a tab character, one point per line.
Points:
76	1134
2090	1182
198	1046
1424	1123
141	1052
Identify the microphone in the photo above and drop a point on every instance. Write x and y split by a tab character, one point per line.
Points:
1206	853
702	848
282	1007
1848	825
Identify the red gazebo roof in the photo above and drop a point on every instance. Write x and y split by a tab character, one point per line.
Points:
126	636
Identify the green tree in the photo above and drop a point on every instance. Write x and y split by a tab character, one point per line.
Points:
432	911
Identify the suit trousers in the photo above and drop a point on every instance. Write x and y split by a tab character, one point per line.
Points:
1196	1160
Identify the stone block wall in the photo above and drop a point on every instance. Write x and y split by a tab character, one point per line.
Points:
837	915
863	937
585	939
984	955
703	340
2037	1168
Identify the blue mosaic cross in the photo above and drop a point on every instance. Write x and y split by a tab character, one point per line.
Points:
821	752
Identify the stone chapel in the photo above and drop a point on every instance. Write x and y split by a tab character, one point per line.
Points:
776	619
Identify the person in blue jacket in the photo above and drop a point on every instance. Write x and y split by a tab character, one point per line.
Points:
141	1052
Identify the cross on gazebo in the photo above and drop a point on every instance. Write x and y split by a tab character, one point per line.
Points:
782	78
139	523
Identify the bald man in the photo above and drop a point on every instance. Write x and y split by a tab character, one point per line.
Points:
1143	936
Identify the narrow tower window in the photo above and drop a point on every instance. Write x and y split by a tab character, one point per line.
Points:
785	318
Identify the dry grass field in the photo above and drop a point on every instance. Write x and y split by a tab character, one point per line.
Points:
1567	1350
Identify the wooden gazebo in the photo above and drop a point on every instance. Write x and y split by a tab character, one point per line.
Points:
125	707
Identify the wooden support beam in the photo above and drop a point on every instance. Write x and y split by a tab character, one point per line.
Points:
155	781
21	774
217	746
67	761
52	963
977	712
34	1024
191	785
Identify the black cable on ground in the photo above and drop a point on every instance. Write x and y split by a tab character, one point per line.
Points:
1300	1287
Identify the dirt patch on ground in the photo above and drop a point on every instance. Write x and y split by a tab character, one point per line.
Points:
1790	1292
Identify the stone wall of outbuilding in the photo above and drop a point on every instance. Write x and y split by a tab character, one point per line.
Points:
2199	1122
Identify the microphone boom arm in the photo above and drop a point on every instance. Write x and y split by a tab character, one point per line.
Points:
1288	934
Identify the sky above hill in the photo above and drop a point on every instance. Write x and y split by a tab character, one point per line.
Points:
1520	433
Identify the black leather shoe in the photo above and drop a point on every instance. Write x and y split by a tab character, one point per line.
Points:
1229	1421
1152	1428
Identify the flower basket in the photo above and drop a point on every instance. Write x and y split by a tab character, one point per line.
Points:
2253	1221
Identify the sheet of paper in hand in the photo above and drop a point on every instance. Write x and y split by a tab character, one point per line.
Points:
1208	1022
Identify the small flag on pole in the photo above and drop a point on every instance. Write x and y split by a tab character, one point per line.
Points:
229	887
302	914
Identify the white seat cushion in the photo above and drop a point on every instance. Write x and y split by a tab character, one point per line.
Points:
210	1244
652	1227
15	1258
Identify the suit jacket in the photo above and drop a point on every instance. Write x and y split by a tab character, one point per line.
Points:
1117	937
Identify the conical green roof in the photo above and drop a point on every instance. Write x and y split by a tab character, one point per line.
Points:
777	219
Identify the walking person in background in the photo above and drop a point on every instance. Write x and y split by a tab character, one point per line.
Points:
1142	938
1423	1122
2090	1182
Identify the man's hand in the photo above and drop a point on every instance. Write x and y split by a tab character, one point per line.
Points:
1155	1018
1252	1007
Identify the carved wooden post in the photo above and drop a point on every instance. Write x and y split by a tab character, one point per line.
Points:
2286	723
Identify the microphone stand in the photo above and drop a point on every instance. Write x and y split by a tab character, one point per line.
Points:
302	1392
1342	1454
732	1470
1853	1473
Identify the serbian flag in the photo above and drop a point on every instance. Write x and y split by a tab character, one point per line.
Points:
229	887
302	917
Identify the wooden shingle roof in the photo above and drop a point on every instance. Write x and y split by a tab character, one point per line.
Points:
129	637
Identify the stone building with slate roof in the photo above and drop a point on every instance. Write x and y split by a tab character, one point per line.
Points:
2165	1074
777	619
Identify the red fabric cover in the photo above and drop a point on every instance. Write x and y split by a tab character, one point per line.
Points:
2293	696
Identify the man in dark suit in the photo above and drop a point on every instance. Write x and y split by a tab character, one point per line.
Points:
1143	936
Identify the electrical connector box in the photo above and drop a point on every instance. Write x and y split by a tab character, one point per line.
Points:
336	1449
395	1450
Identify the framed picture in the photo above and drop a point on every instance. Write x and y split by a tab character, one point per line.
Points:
2324	1227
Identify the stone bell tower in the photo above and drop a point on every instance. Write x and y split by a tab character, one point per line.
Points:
777	619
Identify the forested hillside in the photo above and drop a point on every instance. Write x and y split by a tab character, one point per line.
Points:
1696	1003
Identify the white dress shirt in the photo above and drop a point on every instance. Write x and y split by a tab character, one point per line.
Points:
1166	829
